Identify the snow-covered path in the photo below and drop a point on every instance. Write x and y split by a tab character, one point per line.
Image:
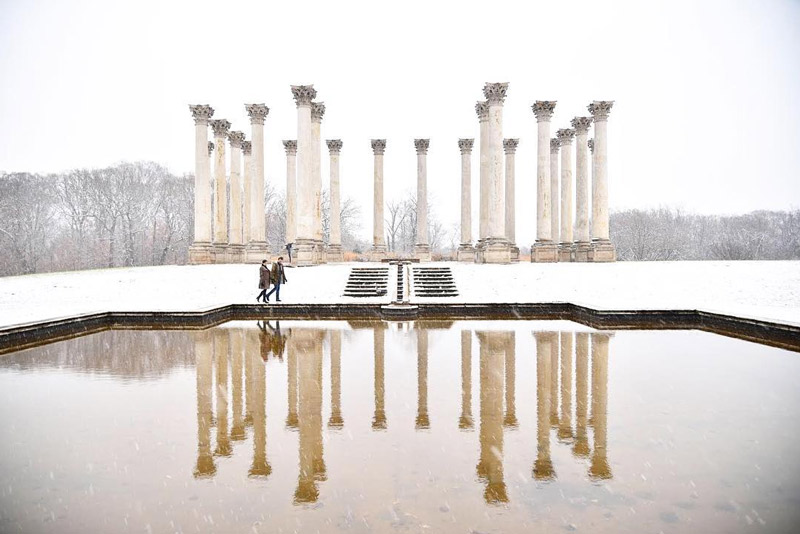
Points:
765	290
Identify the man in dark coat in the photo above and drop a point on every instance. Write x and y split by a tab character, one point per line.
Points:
278	277
263	281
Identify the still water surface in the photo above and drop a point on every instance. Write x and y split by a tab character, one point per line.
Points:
460	426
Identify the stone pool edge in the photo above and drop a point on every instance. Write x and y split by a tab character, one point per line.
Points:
786	336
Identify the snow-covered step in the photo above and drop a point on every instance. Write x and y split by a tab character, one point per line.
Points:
433	282
367	282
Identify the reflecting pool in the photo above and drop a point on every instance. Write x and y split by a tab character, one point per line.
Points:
461	426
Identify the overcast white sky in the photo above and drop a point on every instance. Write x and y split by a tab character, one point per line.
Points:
707	93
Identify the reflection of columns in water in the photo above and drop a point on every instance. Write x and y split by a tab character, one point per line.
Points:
221	345
465	422
205	382
291	381
336	420
490	466
422	421
379	420
237	354
554	380
543	466
308	344
581	447
511	381
260	466
565	423
599	468
251	345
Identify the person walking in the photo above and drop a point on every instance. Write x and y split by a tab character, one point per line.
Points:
263	281
278	277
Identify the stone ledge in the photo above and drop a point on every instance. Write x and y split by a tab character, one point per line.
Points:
17	337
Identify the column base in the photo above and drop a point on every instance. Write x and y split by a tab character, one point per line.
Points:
319	252
544	252
494	250
581	251
334	254
422	252
566	252
255	251
236	253
220	252
377	252
304	252
201	253
602	251
465	253
514	253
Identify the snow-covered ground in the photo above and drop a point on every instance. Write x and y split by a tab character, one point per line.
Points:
766	290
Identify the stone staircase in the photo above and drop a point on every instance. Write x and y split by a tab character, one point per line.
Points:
434	282
367	282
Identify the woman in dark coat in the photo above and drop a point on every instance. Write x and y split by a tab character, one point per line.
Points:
263	281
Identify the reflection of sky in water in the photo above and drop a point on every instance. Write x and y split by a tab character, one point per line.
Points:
364	427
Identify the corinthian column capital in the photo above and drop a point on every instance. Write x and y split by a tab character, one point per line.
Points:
236	139
422	145
290	145
600	109
510	145
466	145
482	109
220	127
247	148
201	113
543	109
303	94
495	93
565	136
378	146
317	111
590	142
334	145
555	144
257	112
581	124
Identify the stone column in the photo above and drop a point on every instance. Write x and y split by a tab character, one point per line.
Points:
378	251
304	245
544	249
203	354
247	151
599	468
236	237
482	109
581	246
291	190
221	347
543	465
335	239
200	251
257	247
379	419
220	128
422	250
466	252
581	446
510	147
317	112
565	420
510	420
555	177
565	136
602	248
465	421
496	247
336	420
422	421
490	466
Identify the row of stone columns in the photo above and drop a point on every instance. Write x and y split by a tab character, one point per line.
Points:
229	224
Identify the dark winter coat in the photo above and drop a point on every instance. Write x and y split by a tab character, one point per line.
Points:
278	274
263	277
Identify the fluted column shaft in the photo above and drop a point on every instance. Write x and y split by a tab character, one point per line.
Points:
466	190
236	235
335	209
247	204
496	186
422	191
258	113
202	183
482	109
543	193
220	128
291	190
600	111
581	125
305	180
565	137
378	239
510	147
556	219
317	112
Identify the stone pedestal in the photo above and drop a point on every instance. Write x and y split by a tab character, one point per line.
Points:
602	248
378	250
466	252
257	248
305	247
422	249
200	250
544	250
565	136
334	251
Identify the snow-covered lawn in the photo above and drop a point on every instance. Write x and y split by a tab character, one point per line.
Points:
766	290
